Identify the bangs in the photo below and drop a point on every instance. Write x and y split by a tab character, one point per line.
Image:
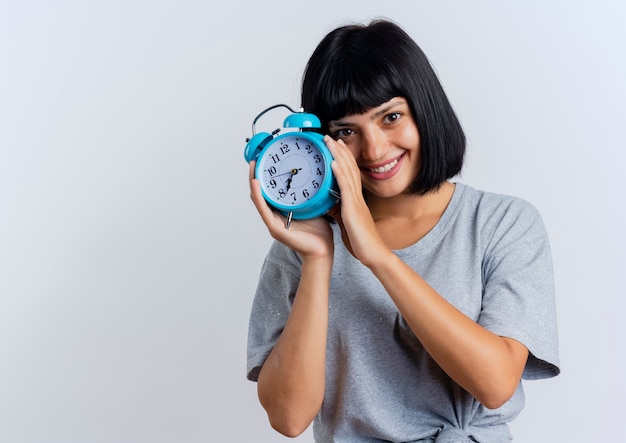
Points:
353	85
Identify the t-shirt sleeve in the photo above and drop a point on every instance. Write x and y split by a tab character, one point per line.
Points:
276	289
519	296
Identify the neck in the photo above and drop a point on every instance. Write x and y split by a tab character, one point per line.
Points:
405	219
411	206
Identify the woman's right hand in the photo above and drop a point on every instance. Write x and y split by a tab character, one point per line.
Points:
309	238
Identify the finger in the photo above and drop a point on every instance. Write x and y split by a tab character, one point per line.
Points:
251	170
251	175
343	159
270	218
349	180
257	198
255	190
338	149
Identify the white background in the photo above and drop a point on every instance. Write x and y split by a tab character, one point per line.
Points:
129	249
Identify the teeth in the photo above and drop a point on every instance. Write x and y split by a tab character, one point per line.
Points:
385	168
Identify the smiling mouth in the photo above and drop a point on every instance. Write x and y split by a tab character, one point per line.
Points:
387	167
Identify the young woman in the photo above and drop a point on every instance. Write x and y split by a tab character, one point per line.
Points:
414	314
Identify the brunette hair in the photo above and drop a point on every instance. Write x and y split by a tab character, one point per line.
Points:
357	67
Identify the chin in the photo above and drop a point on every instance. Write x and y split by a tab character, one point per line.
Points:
386	192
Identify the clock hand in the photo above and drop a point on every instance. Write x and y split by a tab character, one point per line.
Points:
293	172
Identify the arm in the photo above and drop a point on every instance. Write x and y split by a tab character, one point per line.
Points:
486	365
291	383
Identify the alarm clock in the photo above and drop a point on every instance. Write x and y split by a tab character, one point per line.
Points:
294	167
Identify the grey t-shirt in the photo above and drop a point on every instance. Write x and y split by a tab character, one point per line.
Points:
489	256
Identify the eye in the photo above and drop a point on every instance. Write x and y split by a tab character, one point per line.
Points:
342	133
392	117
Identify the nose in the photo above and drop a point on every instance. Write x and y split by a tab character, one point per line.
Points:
373	144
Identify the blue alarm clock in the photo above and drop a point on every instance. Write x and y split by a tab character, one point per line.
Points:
294	167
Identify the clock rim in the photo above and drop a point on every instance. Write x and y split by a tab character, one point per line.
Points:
322	201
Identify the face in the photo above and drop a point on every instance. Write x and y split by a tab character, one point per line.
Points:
385	142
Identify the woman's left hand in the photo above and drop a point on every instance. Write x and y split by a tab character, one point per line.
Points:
358	229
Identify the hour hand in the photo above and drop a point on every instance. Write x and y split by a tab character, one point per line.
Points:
293	172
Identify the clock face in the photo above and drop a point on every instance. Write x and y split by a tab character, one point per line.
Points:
292	170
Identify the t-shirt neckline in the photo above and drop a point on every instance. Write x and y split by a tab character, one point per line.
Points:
434	235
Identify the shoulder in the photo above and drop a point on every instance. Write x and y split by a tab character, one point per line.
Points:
491	203
281	258
502	221
493	210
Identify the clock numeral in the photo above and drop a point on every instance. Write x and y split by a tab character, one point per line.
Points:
308	148
280	172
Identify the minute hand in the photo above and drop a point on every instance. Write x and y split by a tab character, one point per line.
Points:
293	172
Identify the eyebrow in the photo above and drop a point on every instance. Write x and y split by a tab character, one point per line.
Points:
377	114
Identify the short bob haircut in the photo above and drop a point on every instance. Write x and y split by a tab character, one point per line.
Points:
358	67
